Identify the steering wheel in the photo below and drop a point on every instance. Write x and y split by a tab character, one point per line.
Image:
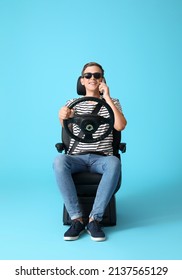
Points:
89	123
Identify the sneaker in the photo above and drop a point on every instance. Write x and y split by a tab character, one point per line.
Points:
74	231
94	229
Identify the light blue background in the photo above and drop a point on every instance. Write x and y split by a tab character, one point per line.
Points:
43	46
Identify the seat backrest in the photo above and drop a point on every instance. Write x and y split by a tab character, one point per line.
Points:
116	142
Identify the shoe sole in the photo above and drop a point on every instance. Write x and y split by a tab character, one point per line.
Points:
96	238
72	238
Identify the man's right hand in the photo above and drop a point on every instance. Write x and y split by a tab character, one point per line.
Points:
65	113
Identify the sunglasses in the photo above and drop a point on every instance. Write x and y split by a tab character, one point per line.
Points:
96	75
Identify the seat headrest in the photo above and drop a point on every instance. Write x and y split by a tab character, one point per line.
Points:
80	88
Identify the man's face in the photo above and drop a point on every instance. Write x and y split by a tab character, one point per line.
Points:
92	83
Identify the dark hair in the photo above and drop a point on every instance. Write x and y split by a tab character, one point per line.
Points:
92	64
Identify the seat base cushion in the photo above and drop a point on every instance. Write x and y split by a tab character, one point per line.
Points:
87	183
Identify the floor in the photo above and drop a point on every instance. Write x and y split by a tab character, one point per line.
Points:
149	223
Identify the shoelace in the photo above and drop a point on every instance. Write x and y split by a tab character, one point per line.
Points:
97	225
75	224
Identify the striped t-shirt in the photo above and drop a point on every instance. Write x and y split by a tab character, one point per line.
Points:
104	146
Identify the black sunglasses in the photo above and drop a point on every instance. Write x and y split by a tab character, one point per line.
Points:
96	75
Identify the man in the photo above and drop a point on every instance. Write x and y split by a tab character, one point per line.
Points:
84	159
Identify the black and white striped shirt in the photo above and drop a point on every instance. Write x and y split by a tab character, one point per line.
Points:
103	146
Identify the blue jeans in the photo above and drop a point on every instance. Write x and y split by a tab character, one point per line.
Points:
110	166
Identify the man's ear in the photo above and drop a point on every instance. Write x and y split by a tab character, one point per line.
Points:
82	81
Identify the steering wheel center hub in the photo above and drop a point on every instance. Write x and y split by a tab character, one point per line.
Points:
89	127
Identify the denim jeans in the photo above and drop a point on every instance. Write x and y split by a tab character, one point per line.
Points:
110	166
